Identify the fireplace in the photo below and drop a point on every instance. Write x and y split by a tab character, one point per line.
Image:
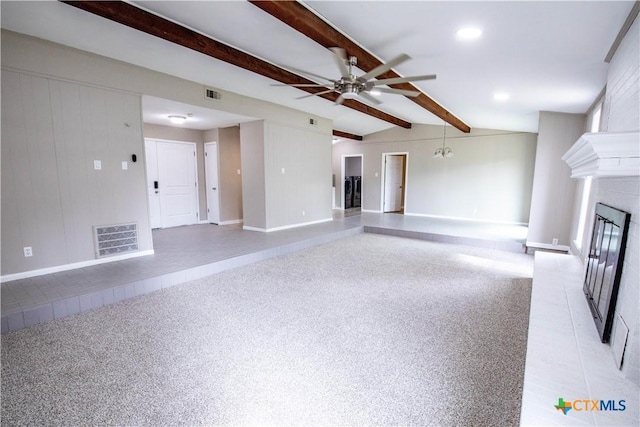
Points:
604	266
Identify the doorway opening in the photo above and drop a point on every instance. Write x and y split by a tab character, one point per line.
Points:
394	179
351	184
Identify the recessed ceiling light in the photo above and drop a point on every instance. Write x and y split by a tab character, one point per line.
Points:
178	120
500	96
469	33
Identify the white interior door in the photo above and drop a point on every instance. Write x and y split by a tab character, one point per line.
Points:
153	192
178	183
393	170
211	172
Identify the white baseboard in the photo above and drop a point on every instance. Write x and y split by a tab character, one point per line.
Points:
230	222
370	211
286	227
73	266
547	246
455	218
206	221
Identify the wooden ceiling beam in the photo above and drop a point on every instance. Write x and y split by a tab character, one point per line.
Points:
139	19
311	25
341	134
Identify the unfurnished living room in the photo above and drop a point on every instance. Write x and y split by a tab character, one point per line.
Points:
320	213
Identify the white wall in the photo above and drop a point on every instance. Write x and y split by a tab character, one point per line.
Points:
489	178
621	112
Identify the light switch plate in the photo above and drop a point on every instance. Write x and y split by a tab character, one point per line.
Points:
125	166
97	165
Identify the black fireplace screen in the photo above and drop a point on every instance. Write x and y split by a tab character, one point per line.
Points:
604	266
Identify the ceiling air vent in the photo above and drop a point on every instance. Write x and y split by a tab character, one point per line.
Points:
212	94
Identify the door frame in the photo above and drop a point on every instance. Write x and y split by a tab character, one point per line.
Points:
206	178
405	178
342	177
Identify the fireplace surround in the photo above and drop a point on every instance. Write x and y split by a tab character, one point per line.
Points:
604	265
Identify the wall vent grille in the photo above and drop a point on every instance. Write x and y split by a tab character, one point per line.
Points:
212	94
115	239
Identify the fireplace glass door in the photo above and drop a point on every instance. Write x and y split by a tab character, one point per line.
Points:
604	266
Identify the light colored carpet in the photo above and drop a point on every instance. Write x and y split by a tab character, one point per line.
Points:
366	330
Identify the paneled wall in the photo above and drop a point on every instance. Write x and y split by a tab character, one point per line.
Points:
52	132
286	177
297	167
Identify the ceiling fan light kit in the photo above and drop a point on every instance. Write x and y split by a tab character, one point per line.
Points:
350	86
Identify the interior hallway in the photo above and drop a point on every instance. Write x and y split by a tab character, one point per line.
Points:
191	252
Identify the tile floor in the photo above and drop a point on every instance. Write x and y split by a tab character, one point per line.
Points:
188	253
565	357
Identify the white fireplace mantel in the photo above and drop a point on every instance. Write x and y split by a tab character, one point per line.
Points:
606	154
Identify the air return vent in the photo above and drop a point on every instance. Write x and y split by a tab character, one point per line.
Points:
212	94
115	239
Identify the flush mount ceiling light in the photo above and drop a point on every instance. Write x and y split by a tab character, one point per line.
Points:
469	33
501	96
178	120
443	151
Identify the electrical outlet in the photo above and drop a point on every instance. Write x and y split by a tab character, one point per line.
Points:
97	165
554	242
303	213
27	251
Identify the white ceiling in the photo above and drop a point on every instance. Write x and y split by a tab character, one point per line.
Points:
548	55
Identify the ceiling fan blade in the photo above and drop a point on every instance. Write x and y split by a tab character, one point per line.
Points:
297	70
398	91
385	67
315	94
370	98
302	85
340	56
403	80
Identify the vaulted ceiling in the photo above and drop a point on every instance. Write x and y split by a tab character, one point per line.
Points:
547	56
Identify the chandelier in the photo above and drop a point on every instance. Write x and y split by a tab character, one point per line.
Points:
443	151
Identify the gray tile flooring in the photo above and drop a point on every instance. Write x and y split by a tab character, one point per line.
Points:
187	253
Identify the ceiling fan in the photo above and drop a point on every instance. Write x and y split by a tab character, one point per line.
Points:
350	86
